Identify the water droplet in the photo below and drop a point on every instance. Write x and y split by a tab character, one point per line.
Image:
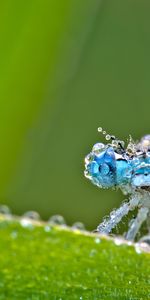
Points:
33	215
104	132
129	243
118	241
81	298
100	129
57	220
4	209
78	225
97	148
107	137
115	143
47	228
113	137
87	159
97	240
86	173
137	249
93	252
14	234
129	282
26	223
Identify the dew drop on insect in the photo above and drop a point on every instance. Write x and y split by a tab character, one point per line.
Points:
88	158
57	220
97	148
78	225
86	173
100	129
33	215
115	143
107	137
4	209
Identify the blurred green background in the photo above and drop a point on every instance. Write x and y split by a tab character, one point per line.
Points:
67	67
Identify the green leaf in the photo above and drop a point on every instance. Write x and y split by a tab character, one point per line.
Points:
40	261
67	67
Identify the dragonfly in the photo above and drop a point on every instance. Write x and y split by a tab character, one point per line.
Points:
112	165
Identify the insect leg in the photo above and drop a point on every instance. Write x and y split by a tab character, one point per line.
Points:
146	238
141	217
148	222
116	215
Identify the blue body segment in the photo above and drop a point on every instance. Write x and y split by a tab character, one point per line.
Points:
123	172
102	168
106	168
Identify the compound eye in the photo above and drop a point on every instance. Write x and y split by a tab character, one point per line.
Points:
104	169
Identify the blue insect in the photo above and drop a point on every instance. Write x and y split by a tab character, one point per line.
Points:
114	166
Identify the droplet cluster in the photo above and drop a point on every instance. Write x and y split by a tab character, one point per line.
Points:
28	218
